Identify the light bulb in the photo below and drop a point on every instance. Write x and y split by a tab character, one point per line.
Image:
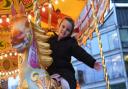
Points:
1	20
3	73
10	73
50	5
6	55
1	57
56	2
29	17
10	54
15	54
7	19
43	9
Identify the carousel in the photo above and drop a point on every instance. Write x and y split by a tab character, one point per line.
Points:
25	27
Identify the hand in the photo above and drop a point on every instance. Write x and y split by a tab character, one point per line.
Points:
97	66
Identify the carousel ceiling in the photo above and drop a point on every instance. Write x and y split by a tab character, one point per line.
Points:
71	8
68	7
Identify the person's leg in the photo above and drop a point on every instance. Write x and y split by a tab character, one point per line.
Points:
64	84
60	81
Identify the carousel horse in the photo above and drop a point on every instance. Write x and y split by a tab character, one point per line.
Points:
34	52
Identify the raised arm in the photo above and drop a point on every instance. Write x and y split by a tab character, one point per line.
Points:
79	53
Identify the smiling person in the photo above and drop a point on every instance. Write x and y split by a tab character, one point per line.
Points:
64	46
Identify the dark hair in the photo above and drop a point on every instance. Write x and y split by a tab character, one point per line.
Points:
69	19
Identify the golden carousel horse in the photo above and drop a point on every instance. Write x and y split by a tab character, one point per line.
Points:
34	54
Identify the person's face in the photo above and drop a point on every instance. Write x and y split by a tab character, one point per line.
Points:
64	29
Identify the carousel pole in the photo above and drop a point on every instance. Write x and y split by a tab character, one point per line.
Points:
36	11
37	20
46	83
100	46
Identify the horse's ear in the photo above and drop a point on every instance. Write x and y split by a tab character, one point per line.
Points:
13	11
22	8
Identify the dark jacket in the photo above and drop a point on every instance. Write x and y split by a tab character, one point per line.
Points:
62	51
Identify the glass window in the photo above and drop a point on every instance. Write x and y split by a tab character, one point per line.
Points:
117	66
114	69
95	47
124	34
104	40
89	75
81	74
108	63
113	40
114	66
13	82
118	86
81	77
109	41
122	16
120	1
126	62
99	75
124	37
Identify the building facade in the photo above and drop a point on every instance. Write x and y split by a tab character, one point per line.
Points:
114	37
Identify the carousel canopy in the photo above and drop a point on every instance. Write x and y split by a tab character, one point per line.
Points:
60	9
68	7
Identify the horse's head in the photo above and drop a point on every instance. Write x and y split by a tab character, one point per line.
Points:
21	32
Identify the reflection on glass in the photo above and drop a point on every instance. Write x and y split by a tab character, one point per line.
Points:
109	67
114	66
117	66
113	40
109	41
